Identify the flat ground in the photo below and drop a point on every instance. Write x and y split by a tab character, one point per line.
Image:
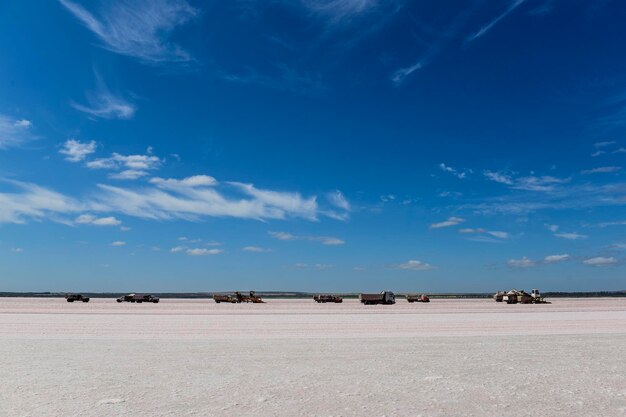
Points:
298	358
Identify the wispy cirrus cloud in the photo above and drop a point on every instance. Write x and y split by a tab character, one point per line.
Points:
104	104
545	183
76	151
325	240
401	74
601	170
139	29
28	201
459	173
525	262
451	221
486	28
203	251
191	199
97	221
571	236
282	77
604	144
255	249
484	235
14	132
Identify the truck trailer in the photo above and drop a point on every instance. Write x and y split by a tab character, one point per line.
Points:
328	298
384	297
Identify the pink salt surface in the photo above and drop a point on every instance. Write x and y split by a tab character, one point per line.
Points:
298	358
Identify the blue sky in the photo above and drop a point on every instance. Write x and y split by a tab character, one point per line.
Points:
315	145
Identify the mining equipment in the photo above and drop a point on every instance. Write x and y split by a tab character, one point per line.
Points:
499	296
76	297
384	297
328	298
414	298
522	297
225	298
251	298
138	298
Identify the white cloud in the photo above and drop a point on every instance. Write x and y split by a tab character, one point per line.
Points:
598	153
620	150
498	177
561	197
14	133
255	249
130	167
167	201
601	170
486	236
203	251
414	265
471	230
118	243
571	236
604	144
550	259
139	28
97	221
76	151
552	227
544	183
486	28
457	173
17	250
35	203
617	223
452	221
106	105
193	181
337	199
600	261
281	201
498	234
400	75
316	266
177	249
521	263
325	240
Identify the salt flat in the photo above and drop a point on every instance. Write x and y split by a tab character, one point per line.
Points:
298	358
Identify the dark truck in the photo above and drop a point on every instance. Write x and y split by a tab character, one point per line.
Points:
384	297
76	297
138	298
328	298
225	298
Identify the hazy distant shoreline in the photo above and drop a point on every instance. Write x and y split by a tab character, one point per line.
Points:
294	294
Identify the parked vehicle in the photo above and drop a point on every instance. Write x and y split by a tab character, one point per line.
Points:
138	298
384	297
522	297
225	298
499	296
251	298
414	298
76	297
328	298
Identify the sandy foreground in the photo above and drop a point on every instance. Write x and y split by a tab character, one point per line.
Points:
299	358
